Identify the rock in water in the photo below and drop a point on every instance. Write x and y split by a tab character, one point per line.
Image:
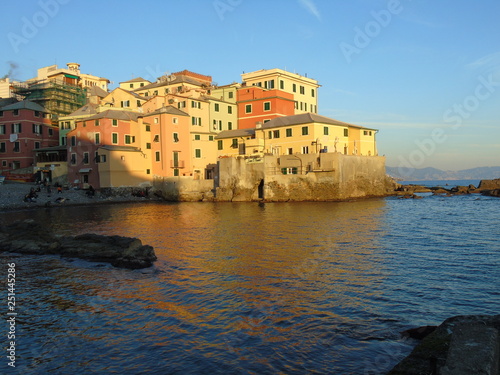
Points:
29	237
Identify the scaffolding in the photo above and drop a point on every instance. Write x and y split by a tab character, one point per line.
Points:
57	97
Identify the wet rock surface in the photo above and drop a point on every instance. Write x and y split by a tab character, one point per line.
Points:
460	345
29	237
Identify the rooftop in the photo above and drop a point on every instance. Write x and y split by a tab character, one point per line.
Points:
306	118
25	104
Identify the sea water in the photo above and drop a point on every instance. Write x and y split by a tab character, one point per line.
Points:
249	288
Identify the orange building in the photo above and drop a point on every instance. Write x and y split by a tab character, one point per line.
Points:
258	105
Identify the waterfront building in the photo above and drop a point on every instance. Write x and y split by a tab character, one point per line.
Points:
303	89
307	133
24	127
257	105
115	129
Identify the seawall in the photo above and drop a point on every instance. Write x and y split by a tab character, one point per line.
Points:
311	177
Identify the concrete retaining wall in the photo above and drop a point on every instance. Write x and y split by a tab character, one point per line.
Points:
184	189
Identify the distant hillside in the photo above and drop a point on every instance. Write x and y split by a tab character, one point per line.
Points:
423	174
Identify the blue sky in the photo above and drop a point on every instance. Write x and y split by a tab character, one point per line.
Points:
425	73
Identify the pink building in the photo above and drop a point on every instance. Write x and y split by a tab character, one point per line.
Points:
24	127
107	128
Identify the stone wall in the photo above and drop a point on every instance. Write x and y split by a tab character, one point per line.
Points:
313	177
183	189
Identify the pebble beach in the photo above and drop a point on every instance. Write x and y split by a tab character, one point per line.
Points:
12	197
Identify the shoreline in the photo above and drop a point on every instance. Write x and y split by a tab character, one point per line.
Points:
12	197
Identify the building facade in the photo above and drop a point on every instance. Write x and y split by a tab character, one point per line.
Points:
24	127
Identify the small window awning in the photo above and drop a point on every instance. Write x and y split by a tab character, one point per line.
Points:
71	76
85	170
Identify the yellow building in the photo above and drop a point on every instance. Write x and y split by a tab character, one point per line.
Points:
123	100
306	133
134	84
304	89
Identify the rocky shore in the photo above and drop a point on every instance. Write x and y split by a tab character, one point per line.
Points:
485	187
12	196
461	345
29	237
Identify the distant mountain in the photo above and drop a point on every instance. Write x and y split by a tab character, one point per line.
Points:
429	173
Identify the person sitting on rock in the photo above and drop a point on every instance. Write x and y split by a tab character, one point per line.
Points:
90	191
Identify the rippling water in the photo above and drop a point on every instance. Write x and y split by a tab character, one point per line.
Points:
247	288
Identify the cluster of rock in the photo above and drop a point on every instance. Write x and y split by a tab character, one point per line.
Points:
486	187
29	237
462	345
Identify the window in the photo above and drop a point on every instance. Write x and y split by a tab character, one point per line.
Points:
282	84
196	121
270	134
294	87
296	105
290	151
17	147
138	103
64	141
176	137
325	130
220	144
73	140
269	84
276	133
346	132
157	155
229	110
115	122
96	122
51	131
125	103
181	104
229	125
267	106
216	107
176	172
210	137
230	95
148	128
302	90
37	145
37	114
305	130
156	138
85	158
291	170
156	120
289	132
15	112
37	129
4	163
16	128
148	146
248	108
129	139
97	138
197	153
148	171
175	120
305	149
2	147
2	129
131	85
114	138
234	143
197	137
313	93
100	158
1	113
73	158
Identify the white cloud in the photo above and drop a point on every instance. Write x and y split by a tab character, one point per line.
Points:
311	8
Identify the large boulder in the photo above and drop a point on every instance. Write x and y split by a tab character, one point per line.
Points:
29	237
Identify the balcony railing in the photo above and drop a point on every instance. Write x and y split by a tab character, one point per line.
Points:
176	163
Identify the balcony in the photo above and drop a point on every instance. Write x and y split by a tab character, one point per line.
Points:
176	163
